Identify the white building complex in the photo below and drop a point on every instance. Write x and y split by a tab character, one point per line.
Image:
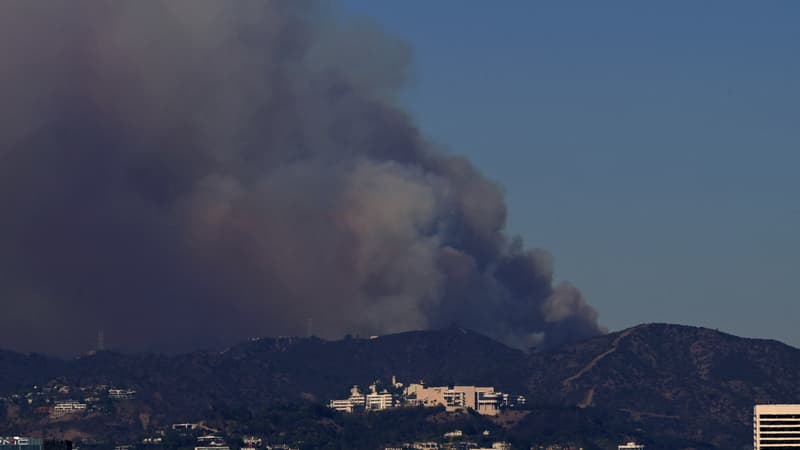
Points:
630	446
776	427
374	401
482	399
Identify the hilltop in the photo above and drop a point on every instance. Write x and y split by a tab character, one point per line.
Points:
685	387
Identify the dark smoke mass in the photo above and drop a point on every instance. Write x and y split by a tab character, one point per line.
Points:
187	173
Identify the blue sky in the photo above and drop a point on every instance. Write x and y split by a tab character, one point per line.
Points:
651	147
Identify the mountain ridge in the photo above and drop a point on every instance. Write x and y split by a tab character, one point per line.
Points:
672	383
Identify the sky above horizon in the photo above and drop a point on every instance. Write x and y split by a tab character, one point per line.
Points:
651	148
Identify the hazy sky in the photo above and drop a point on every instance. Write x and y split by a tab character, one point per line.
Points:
652	148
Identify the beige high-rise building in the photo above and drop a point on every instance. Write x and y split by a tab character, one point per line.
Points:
776	427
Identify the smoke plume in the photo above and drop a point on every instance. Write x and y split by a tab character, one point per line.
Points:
186	173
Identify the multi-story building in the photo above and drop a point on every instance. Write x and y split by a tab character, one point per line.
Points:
356	401
776	427
374	401
454	398
483	400
631	446
416	394
378	401
356	397
64	408
121	394
487	401
344	406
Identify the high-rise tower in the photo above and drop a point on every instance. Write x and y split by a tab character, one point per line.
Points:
776	427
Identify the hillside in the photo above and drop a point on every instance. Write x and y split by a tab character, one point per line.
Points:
695	383
668	385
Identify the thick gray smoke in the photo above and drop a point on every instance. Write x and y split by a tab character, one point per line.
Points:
187	173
